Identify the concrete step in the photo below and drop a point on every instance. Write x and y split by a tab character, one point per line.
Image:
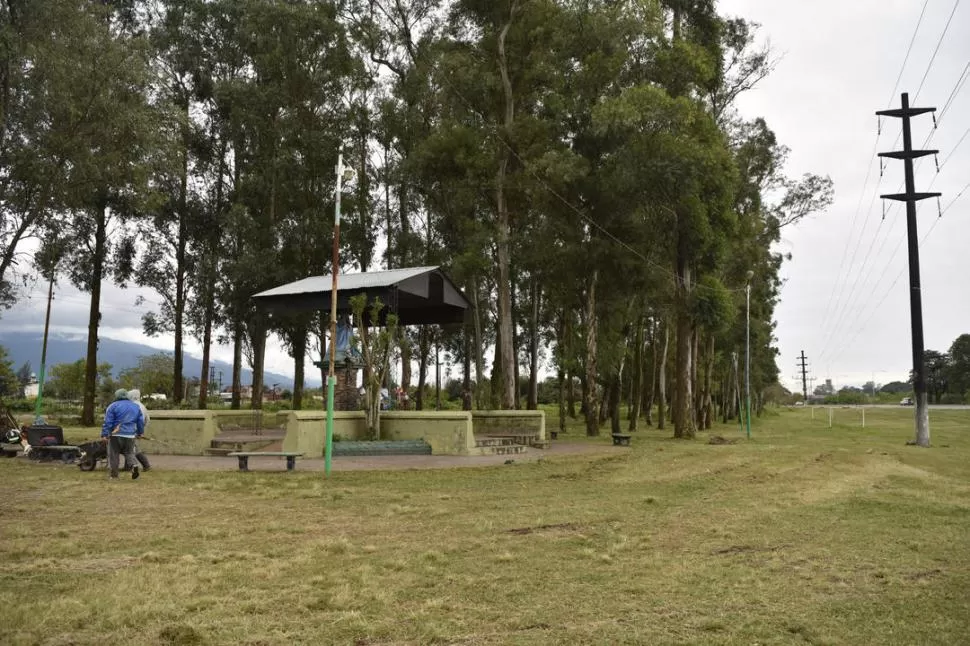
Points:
493	441
540	444
514	438
513	449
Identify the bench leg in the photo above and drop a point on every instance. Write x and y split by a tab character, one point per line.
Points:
243	462
290	462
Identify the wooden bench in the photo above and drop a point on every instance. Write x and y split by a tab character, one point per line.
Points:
244	456
621	439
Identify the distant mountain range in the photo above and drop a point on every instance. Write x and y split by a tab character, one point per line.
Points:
26	346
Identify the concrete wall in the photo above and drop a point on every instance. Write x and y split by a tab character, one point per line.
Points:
246	419
448	432
179	432
305	429
510	421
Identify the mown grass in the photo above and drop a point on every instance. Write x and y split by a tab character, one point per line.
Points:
802	535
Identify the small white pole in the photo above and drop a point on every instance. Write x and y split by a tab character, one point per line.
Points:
863	417
813	412
830	417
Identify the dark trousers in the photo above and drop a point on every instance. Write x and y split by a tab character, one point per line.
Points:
118	446
141	457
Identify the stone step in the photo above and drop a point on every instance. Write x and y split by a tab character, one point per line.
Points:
494	441
514	438
514	449
540	444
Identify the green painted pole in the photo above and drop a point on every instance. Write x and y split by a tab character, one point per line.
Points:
331	381
39	407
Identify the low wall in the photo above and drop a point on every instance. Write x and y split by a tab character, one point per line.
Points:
179	432
305	430
510	421
248	419
448	432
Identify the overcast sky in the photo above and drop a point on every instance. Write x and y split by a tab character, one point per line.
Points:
845	301
840	62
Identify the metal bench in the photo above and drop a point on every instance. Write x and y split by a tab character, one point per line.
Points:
243	457
621	439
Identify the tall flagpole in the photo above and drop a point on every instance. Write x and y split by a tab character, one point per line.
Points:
335	270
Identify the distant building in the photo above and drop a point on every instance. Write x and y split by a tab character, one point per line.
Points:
32	389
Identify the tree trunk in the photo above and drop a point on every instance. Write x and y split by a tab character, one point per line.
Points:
423	343
437	373
207	317
615	397
94	315
603	413
180	268
405	344
649	393
298	341
532	402
466	377
516	381
503	242
258	341
636	387
479	346
695	405
683	400
589	398
662	378
571	393
708	401
237	343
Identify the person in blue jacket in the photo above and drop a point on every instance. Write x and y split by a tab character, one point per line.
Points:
123	424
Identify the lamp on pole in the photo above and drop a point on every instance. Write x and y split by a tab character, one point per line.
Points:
343	174
747	348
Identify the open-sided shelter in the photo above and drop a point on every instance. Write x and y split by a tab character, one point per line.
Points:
418	295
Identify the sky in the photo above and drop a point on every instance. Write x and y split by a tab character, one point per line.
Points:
845	300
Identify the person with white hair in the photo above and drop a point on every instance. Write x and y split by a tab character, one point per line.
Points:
135	396
123	424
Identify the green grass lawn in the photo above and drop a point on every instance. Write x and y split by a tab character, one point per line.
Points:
802	535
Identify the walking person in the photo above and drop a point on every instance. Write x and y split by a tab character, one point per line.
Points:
123	425
135	396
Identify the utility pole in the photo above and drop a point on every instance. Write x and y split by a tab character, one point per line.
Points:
804	367
910	197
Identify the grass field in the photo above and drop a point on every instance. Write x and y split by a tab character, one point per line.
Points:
802	535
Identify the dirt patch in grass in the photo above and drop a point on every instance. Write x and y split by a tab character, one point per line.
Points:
558	527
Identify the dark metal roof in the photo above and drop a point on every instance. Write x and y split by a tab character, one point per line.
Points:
418	295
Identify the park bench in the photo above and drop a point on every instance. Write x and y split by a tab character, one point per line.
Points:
621	439
244	456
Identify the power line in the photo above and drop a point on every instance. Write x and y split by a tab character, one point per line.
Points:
938	43
838	276
840	306
892	95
